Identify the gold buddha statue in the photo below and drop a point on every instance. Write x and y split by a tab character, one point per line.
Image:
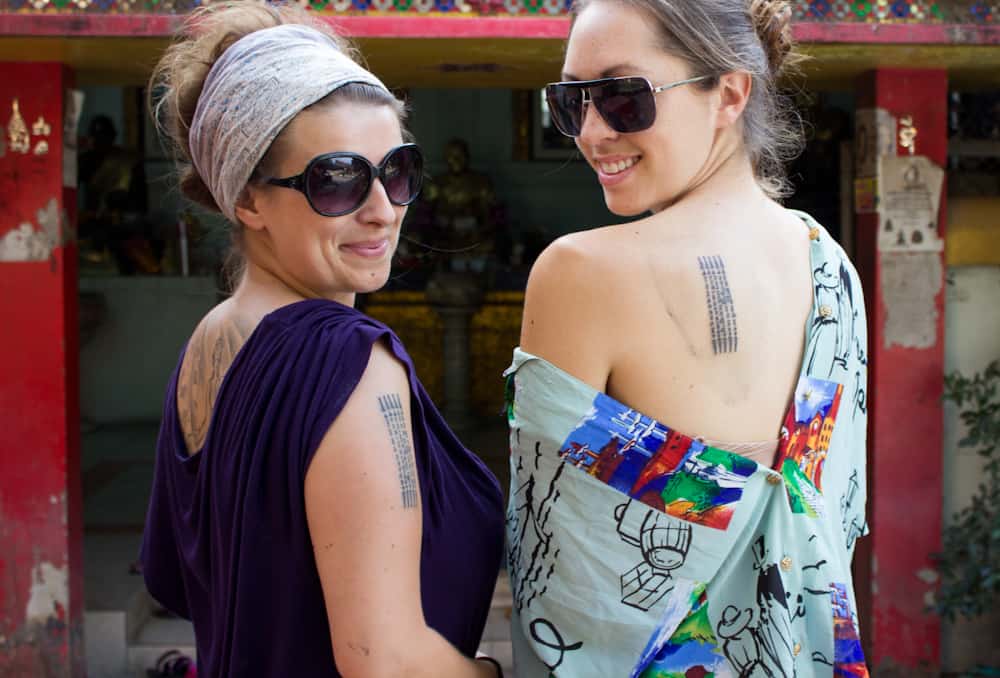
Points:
462	202
113	201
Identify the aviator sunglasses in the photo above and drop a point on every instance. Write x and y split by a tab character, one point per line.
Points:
338	183
627	104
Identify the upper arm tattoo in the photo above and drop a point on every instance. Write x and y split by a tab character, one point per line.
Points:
721	312
395	420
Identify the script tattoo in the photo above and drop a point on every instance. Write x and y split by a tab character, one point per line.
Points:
721	312
395	420
210	353
194	393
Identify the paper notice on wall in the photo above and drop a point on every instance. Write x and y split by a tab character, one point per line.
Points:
874	137
71	120
909	198
911	283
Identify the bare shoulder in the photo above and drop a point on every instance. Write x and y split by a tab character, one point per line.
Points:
384	371
569	303
573	261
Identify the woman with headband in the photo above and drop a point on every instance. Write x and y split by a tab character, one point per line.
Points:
311	512
688	402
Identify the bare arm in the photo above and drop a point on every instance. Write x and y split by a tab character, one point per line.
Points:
364	514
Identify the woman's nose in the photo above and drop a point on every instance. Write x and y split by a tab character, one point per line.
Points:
593	127
378	209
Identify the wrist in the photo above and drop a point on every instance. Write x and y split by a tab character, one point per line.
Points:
491	661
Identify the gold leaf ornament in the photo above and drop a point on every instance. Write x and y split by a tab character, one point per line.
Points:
41	128
18	139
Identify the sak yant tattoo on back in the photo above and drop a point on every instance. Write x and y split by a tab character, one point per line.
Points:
395	421
210	354
721	312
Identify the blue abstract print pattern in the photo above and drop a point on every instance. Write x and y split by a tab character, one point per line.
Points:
848	657
662	468
691	651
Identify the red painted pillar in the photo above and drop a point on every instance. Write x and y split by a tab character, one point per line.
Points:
41	554
905	292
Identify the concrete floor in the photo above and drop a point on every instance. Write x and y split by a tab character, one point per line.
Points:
117	469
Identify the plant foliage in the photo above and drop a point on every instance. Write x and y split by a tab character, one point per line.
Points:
969	563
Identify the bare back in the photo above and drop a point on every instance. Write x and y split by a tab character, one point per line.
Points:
210	352
695	316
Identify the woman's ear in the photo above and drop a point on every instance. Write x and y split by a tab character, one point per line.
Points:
248	211
734	93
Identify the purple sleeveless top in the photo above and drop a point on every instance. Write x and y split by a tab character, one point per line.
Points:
226	541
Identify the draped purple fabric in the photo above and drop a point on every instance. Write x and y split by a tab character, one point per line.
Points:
226	541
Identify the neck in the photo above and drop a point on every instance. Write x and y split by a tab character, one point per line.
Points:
727	171
265	279
733	176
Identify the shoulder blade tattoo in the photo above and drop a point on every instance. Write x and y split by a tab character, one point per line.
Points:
395	420
721	312
210	354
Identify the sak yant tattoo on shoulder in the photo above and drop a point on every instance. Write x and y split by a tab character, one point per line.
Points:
395	420
721	312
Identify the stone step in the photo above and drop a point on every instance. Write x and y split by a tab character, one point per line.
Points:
142	657
161	635
105	640
131	642
107	634
157	636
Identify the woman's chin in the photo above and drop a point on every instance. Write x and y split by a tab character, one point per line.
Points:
622	207
372	282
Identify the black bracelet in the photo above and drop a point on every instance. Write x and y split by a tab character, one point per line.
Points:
493	661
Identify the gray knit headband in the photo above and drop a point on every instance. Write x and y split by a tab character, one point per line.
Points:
256	87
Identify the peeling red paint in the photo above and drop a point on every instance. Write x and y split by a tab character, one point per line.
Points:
41	568
905	419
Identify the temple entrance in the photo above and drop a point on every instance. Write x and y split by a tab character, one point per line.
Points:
501	186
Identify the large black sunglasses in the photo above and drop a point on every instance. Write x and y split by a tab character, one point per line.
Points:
338	183
627	104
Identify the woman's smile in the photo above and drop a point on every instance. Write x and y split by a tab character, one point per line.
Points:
614	169
369	249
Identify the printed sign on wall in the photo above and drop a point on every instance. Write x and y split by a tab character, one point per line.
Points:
909	200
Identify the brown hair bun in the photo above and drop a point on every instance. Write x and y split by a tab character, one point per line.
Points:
772	19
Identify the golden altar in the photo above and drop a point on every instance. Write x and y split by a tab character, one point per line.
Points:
494	331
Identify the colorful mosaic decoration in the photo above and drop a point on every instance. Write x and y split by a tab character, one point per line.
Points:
692	649
805	439
893	11
873	11
848	657
661	468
